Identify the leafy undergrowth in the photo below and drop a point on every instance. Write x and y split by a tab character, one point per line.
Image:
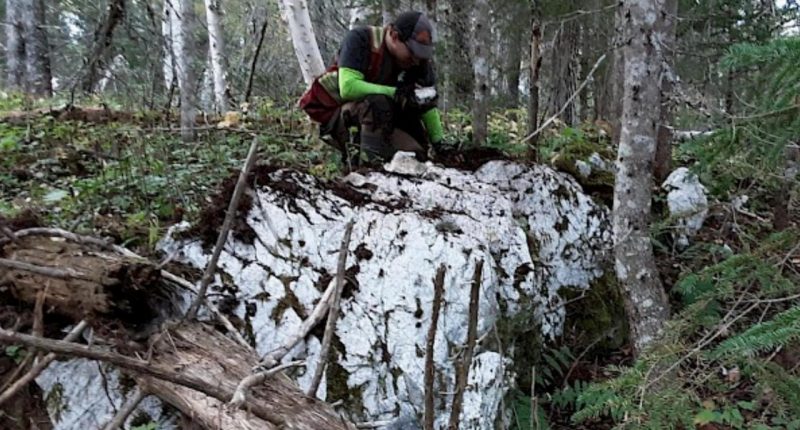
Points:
130	180
730	357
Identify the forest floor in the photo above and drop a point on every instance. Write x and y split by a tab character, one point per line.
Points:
129	177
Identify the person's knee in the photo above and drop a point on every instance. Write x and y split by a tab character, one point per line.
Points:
380	110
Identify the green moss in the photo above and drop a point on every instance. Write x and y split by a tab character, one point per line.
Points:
336	381
596	316
289	300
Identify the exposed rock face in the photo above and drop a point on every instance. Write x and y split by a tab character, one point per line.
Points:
533	228
83	394
687	203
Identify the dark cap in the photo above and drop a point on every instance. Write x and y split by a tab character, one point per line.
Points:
416	32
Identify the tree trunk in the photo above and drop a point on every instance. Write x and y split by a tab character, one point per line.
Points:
389	10
130	294
564	72
37	48
209	355
167	31
216	49
645	300
430	9
666	26
535	67
183	50
15	47
616	77
515	45
295	12
358	16
103	38
480	67
458	58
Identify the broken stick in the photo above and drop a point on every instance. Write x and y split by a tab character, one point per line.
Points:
119	420
39	367
438	291
462	373
241	184
333	312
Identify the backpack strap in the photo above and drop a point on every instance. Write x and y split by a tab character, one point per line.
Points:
377	49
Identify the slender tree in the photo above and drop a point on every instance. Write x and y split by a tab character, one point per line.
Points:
15	47
666	27
37	48
480	68
295	12
216	50
459	63
645	300
389	10
181	16
535	66
103	38
168	67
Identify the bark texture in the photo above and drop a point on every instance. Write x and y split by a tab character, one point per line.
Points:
459	64
15	47
564	72
480	68
203	366
666	27
295	12
535	67
183	50
216	52
103	39
37	48
645	299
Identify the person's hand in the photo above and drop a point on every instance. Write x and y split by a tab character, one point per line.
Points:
426	97
405	97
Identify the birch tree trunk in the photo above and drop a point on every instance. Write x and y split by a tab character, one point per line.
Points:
15	47
645	300
480	68
295	12
37	48
216	49
102	42
169	53
182	23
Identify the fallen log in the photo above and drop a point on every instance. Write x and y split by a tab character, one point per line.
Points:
82	281
193	367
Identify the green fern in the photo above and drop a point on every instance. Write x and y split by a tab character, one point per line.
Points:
780	331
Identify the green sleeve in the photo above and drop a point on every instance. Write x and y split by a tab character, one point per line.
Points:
433	123
352	86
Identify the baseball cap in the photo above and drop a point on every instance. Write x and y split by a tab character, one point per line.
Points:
416	32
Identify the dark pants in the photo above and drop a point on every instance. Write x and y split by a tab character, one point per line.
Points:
383	129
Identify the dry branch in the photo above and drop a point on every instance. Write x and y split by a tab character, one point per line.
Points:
135	365
49	272
241	184
272	358
438	291
569	100
39	367
462	373
333	312
119	419
106	245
